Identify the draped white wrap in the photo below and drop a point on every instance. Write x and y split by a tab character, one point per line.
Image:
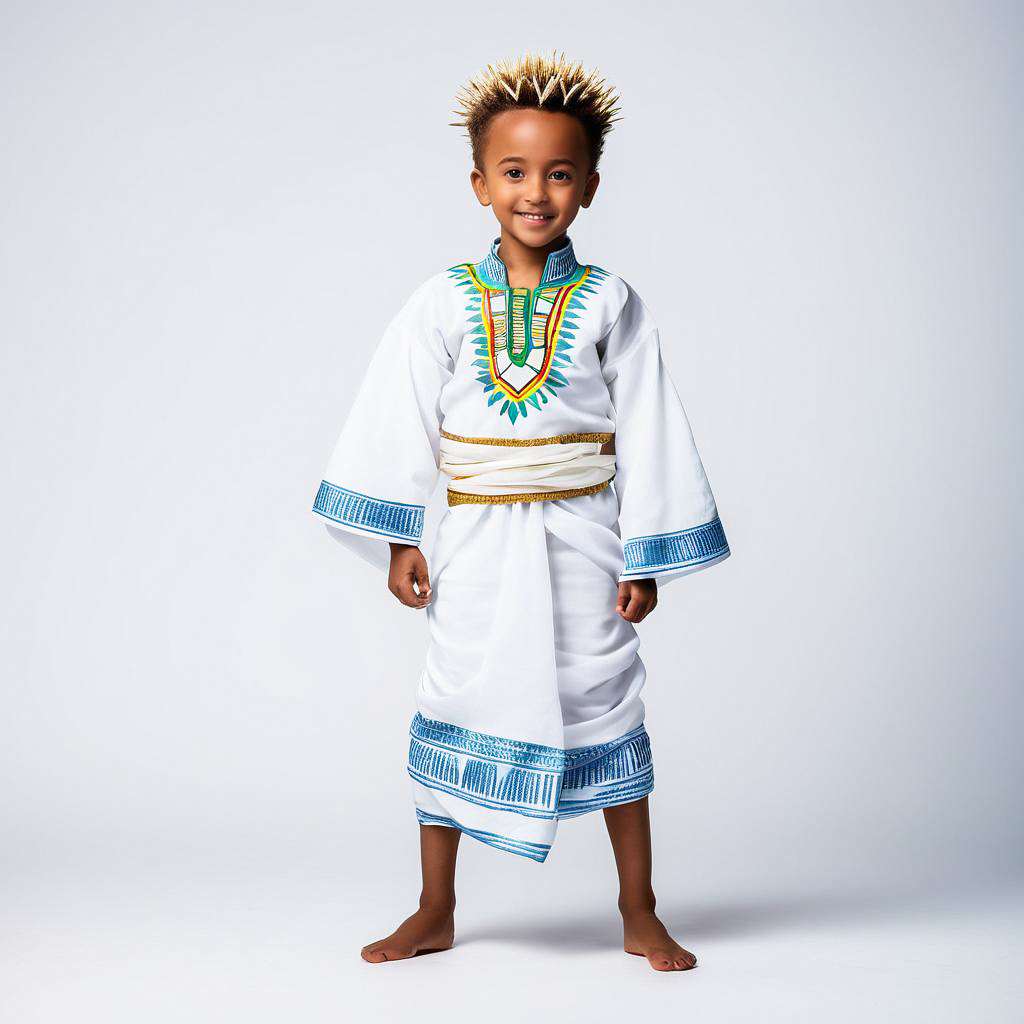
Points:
482	469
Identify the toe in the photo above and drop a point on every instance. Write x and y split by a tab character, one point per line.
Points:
386	953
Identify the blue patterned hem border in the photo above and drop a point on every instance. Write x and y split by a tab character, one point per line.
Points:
480	801
576	758
530	779
635	790
534	851
682	549
494	748
395	519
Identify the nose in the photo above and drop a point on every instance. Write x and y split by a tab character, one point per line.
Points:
536	191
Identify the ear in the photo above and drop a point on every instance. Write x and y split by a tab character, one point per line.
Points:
590	188
479	183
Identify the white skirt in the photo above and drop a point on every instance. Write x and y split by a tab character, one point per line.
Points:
528	708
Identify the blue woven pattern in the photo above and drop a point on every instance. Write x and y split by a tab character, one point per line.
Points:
612	773
495	748
674	550
530	779
558	265
609	796
535	851
394	519
492	270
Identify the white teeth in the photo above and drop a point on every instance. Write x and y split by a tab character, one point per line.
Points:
533	216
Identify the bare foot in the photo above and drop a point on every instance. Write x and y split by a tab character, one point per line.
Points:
427	931
645	935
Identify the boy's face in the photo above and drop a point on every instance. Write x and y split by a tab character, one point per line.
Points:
535	162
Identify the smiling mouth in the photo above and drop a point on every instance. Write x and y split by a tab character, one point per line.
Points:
535	218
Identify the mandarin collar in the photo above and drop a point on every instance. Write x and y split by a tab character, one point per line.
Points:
559	264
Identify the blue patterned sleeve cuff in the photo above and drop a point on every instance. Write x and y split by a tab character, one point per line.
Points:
671	553
389	520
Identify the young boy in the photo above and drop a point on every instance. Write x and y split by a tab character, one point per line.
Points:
531	380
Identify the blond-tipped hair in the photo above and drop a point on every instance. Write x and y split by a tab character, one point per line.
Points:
540	83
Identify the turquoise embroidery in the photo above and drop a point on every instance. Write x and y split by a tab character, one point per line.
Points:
523	336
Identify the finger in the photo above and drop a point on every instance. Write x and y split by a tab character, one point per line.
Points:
638	607
422	580
407	595
421	590
623	599
628	606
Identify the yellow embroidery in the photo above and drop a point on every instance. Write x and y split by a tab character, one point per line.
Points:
460	498
526	441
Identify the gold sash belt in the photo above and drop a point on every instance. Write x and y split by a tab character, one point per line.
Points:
499	470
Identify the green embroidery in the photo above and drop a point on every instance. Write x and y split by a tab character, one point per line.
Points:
523	336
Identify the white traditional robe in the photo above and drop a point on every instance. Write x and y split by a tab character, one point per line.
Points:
528	709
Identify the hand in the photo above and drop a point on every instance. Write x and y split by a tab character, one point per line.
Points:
408	566
636	599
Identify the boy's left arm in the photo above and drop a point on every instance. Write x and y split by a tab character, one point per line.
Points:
668	520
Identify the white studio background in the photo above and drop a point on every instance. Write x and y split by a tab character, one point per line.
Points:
209	213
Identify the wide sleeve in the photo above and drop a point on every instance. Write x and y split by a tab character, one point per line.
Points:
668	519
385	463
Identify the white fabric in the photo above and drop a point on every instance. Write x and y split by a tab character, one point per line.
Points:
528	708
525	641
503	469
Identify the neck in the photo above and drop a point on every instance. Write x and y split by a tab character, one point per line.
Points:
525	263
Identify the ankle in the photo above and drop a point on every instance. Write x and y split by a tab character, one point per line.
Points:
638	903
438	904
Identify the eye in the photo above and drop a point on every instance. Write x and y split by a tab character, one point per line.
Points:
514	170
564	173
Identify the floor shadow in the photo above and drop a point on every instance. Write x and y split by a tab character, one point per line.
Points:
693	921
581	933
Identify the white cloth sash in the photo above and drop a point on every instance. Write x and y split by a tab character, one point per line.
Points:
486	469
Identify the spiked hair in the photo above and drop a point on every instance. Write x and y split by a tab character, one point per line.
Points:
539	83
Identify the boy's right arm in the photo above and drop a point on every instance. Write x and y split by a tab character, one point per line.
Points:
409	566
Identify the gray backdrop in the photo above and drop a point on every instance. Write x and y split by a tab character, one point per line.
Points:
210	211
